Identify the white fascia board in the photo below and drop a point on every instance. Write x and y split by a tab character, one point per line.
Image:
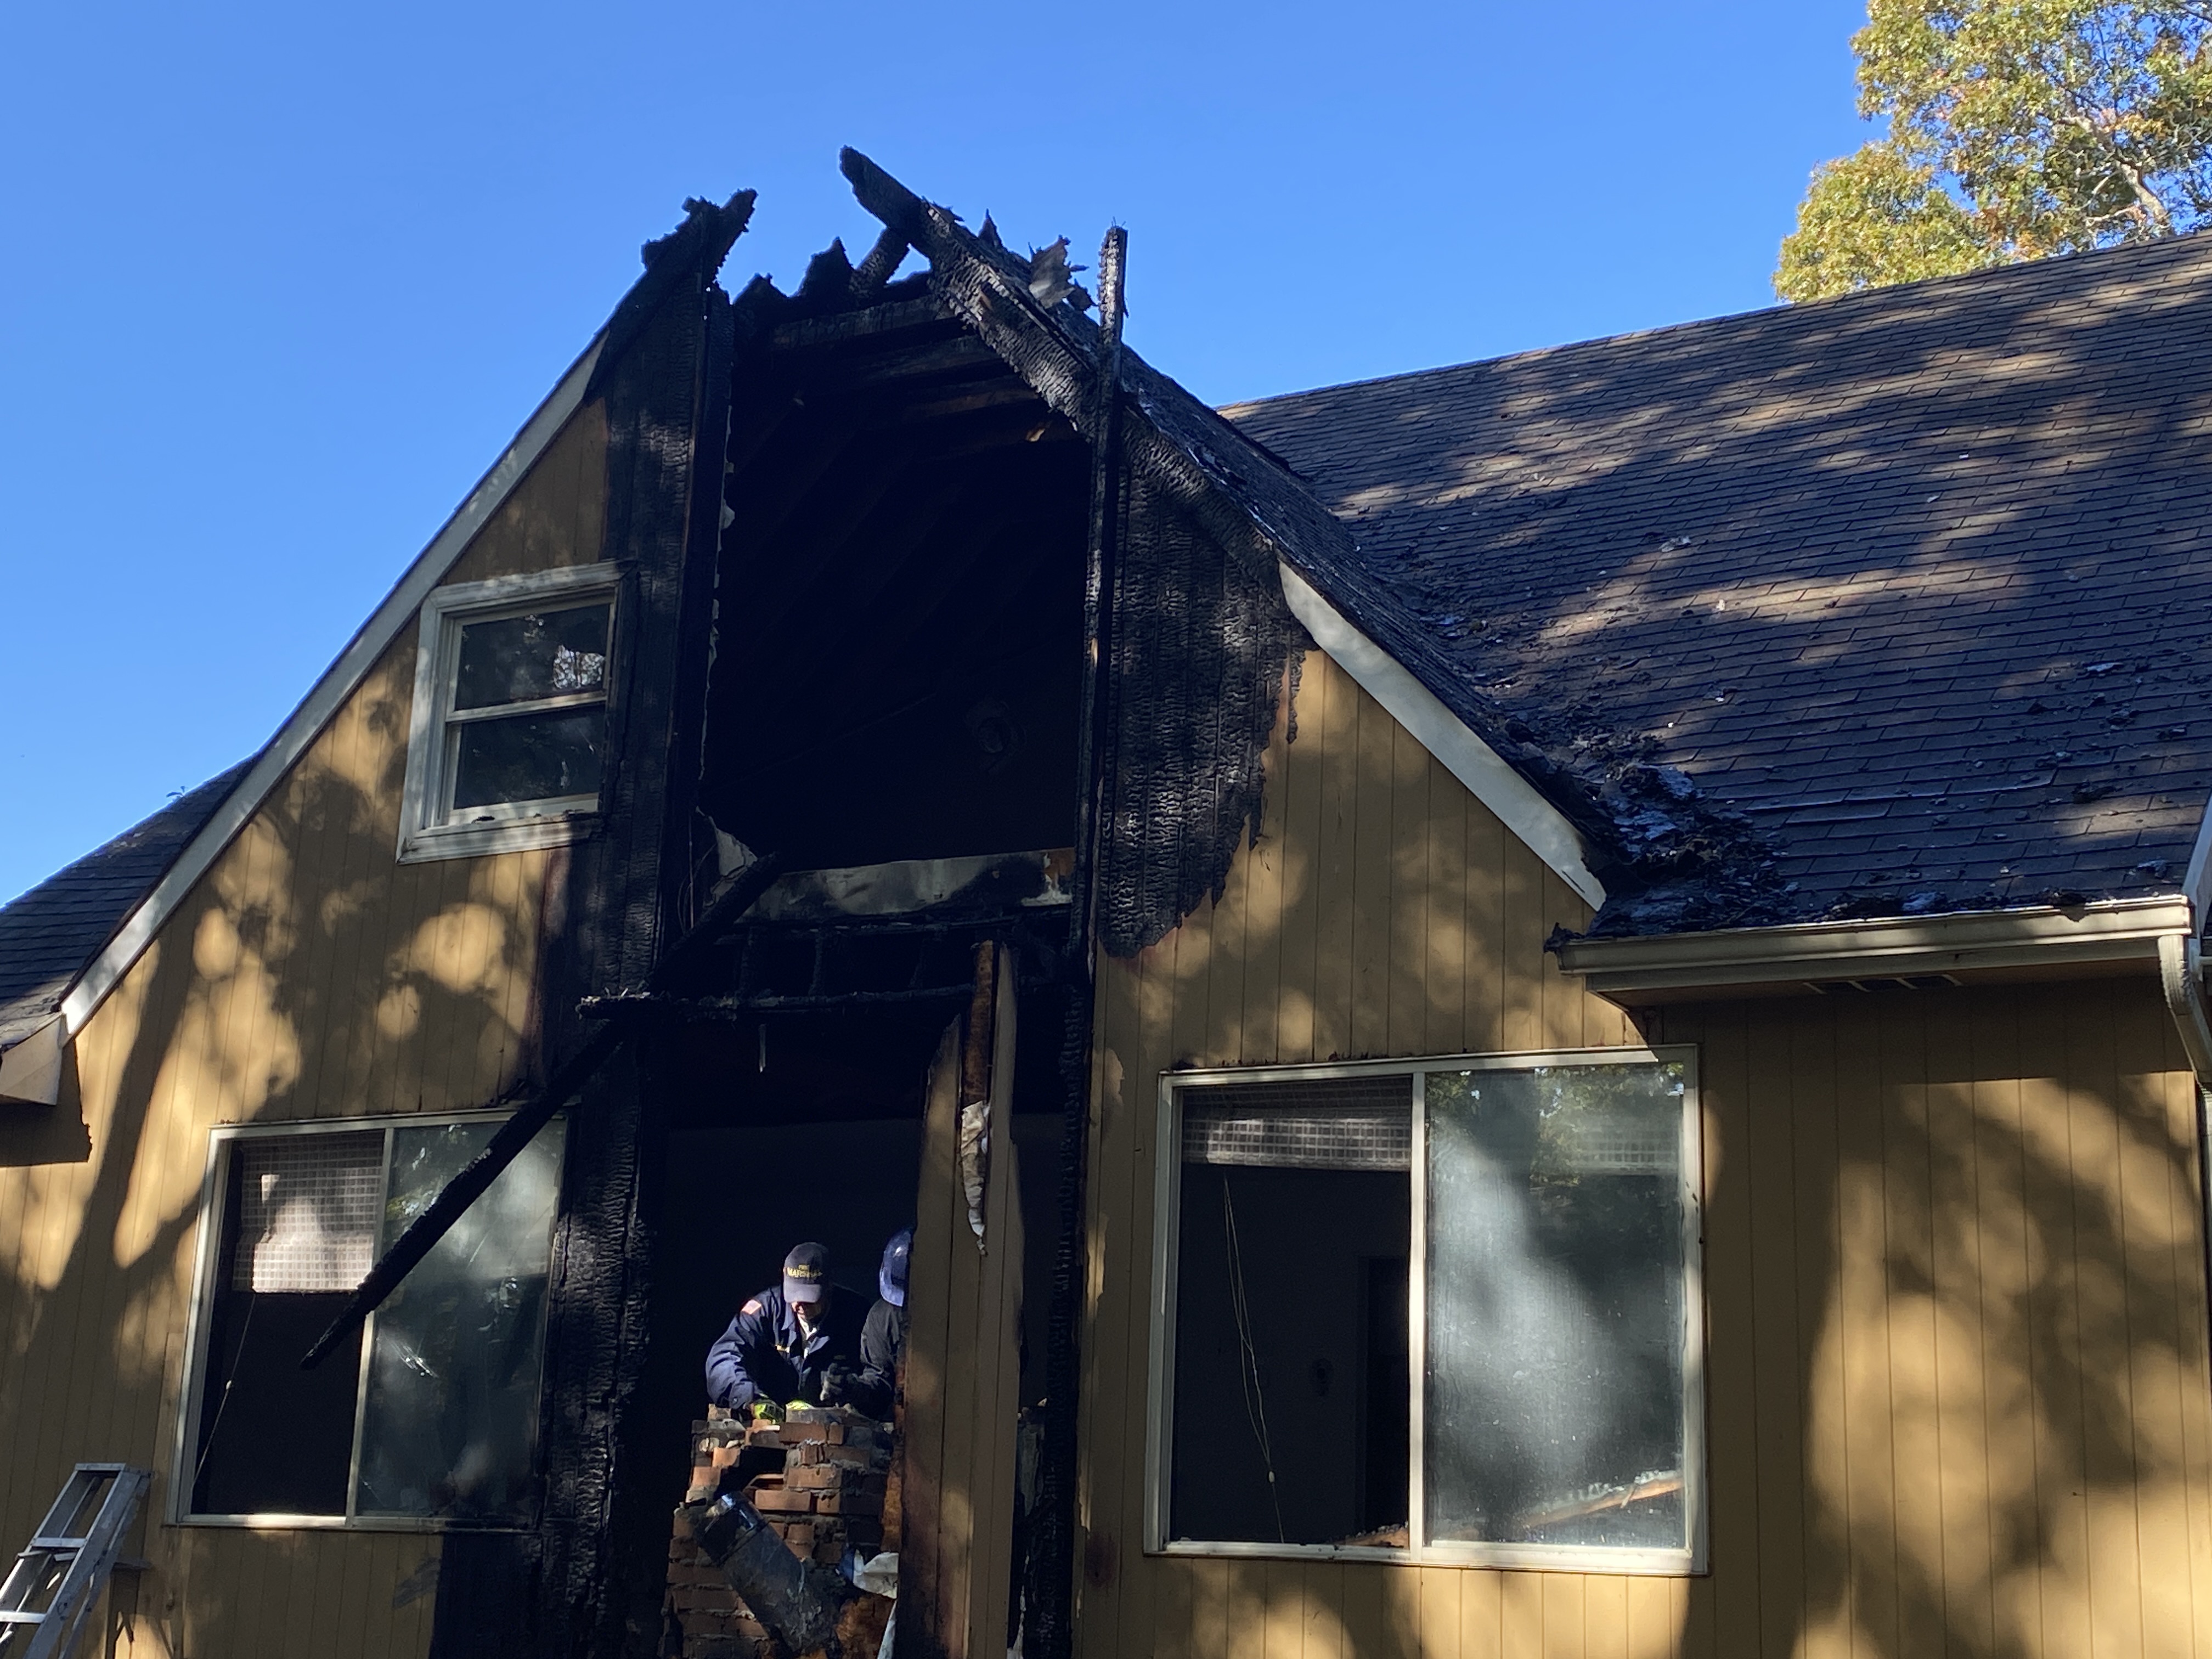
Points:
338	683
31	1066
2114	931
1541	825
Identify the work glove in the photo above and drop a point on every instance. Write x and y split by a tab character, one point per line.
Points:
837	1380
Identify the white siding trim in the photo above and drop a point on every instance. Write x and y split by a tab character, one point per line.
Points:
337	683
1541	825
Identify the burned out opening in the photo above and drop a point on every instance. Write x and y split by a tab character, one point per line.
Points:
899	604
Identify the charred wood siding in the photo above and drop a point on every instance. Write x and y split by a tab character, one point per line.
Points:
598	1577
309	975
1203	651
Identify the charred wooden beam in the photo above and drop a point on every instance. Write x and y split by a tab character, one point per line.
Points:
999	395
634	1005
898	317
828	283
1052	1566
1055	350
876	269
452	1200
702	242
963	354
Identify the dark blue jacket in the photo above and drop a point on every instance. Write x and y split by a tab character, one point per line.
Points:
883	1345
762	1355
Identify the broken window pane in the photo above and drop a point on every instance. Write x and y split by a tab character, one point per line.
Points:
526	757
1555	1282
522	659
1291	1386
450	1421
299	1215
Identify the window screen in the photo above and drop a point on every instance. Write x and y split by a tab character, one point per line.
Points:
307	1211
447	1425
1551	1262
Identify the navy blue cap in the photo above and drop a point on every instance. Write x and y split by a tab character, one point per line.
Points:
890	1277
806	1273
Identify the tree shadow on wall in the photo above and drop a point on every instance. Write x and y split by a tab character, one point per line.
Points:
309	976
1958	1374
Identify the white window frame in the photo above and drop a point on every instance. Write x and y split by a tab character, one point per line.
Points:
424	831
205	1268
1159	1414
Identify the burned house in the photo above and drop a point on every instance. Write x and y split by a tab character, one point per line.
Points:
1552	1006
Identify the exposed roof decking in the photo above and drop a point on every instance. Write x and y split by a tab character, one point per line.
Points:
1916	582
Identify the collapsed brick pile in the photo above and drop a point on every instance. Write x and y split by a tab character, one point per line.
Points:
829	1497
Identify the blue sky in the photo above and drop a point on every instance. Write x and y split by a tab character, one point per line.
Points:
278	283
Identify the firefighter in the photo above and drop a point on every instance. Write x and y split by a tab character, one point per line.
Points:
883	1338
798	1342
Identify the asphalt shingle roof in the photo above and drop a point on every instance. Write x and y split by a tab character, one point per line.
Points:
48	933
1903	602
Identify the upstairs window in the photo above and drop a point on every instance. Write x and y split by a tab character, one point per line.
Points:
1444	1310
429	1415
508	737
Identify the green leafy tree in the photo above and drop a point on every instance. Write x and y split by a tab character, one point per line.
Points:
2017	129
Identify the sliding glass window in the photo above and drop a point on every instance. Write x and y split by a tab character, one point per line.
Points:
1445	1310
429	1414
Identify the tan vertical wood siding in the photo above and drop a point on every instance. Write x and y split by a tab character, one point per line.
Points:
1957	1380
962	1366
308	975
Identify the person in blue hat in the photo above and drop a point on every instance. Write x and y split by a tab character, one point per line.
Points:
882	1337
796	1340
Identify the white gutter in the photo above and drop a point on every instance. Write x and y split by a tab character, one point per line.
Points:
1895	947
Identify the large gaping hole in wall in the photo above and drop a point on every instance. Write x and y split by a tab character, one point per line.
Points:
788	1126
898	613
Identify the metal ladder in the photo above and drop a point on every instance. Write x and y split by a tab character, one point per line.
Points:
55	1582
